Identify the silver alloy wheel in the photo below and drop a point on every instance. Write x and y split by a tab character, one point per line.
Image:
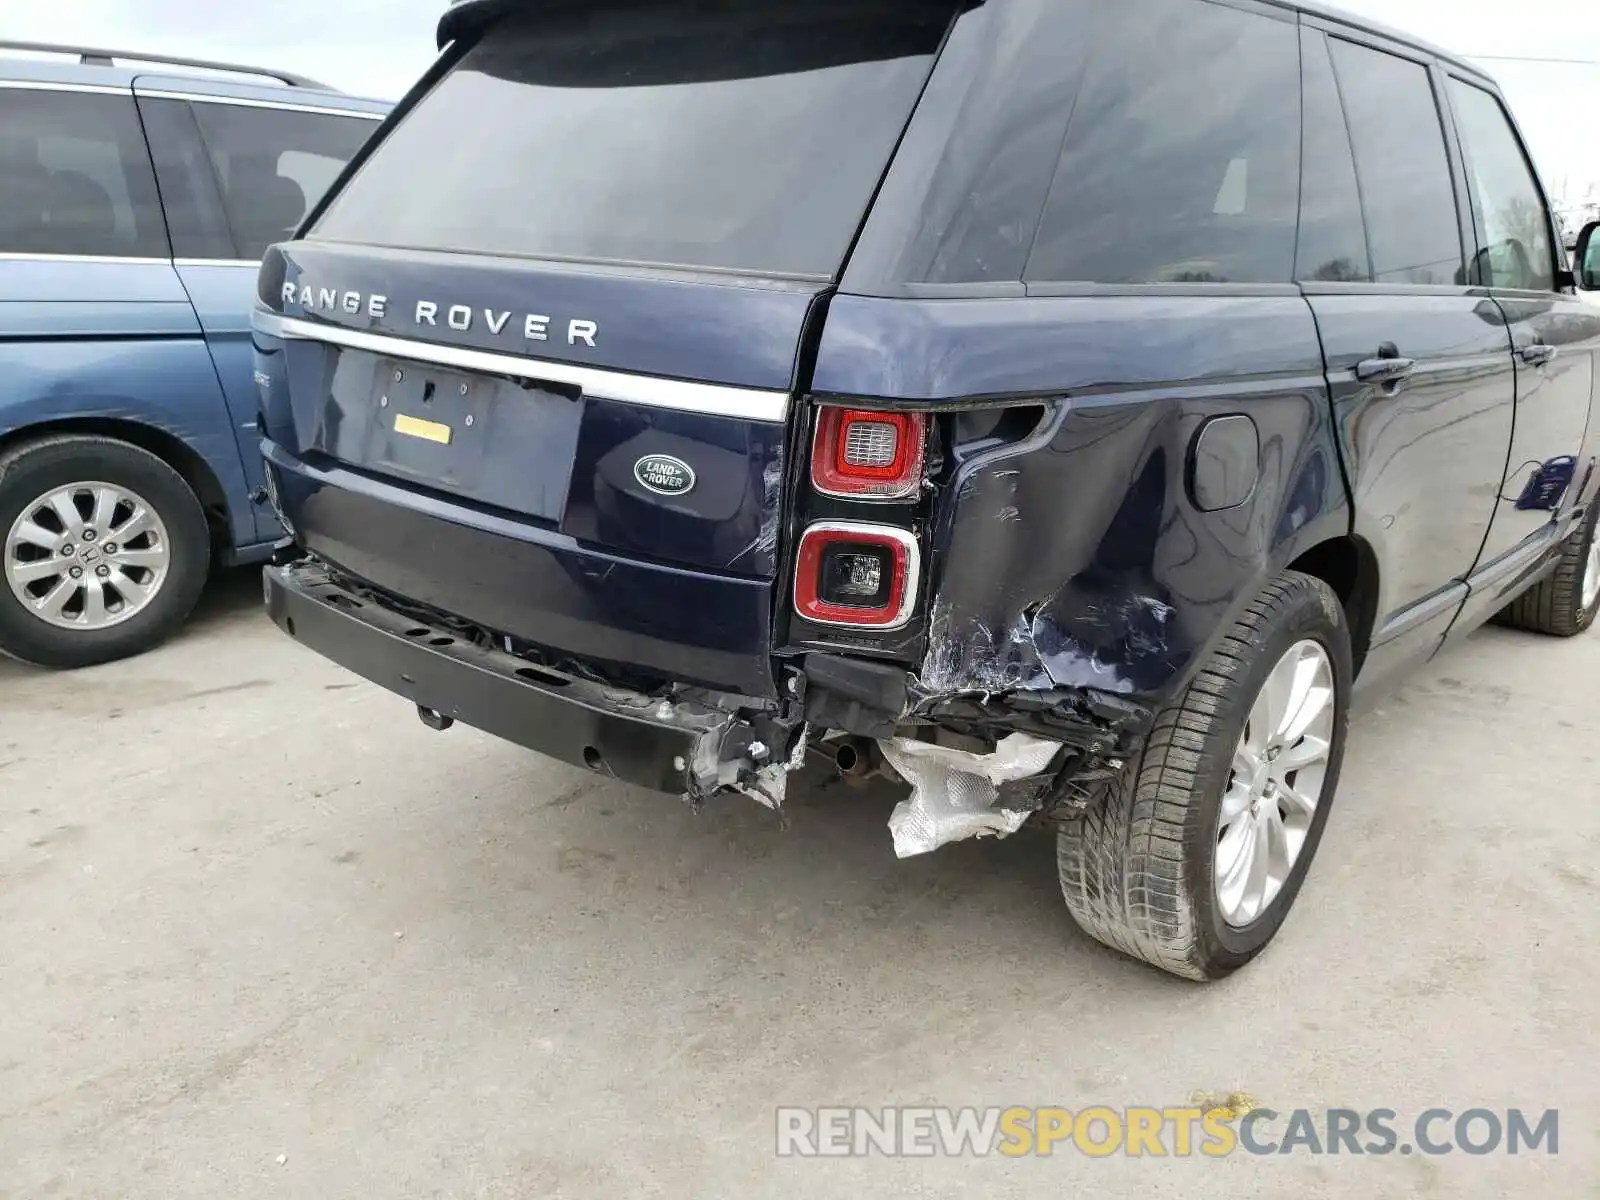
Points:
1591	572
87	556
1276	783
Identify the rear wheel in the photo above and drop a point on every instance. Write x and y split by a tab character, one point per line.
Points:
1195	855
1564	603
104	551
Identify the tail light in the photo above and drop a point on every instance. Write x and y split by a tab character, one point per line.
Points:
858	575
867	455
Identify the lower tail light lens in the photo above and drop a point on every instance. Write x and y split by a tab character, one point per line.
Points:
857	575
868	455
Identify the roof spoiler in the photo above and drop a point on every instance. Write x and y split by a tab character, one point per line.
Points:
466	18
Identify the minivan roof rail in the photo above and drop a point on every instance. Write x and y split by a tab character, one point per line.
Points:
91	56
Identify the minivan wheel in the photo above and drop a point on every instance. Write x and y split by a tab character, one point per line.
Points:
1563	603
1194	856
103	551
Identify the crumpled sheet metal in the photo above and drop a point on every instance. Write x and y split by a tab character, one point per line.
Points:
953	791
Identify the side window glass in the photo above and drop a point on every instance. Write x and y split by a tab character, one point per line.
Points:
1516	226
1333	238
1182	157
1015	70
273	165
75	178
188	188
1404	172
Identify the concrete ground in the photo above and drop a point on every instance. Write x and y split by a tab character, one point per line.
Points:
263	934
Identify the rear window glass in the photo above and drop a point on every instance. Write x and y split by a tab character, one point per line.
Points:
733	135
1182	156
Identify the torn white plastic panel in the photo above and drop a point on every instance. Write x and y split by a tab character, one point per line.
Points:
953	791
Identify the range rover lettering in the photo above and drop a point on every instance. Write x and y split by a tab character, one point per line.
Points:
958	390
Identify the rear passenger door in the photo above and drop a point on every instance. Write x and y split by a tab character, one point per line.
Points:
237	175
1419	362
1554	334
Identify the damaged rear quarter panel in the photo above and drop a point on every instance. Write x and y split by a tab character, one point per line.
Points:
1077	558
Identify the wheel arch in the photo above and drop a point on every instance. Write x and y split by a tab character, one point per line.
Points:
190	465
1349	566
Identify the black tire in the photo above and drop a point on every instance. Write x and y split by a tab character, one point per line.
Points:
33	469
1554	605
1136	869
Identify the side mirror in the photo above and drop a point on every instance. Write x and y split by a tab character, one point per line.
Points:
1586	258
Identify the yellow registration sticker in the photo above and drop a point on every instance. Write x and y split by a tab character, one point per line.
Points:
430	431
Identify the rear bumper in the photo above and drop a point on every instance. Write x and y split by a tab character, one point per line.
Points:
663	745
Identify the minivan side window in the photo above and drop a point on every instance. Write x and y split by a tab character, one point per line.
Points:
1333	237
195	220
1407	194
1182	156
1516	251
75	177
274	164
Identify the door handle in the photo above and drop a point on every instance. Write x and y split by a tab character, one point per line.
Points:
1386	368
1538	354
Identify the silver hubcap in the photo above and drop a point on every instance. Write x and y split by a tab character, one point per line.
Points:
87	556
1275	784
1591	573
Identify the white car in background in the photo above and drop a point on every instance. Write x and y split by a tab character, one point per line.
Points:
1586	262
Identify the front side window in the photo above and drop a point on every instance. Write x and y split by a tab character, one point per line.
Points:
273	164
1516	251
75	177
1412	225
741	135
1182	156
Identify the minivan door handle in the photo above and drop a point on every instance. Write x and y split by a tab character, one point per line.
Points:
1387	367
1538	354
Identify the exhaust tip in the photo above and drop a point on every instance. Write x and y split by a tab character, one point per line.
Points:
434	719
856	758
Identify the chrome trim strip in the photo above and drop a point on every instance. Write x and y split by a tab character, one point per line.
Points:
217	262
712	399
241	102
45	85
908	542
124	260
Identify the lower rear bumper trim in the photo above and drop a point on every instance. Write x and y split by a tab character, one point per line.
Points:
662	745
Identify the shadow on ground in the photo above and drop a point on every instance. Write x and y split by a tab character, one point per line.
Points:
230	593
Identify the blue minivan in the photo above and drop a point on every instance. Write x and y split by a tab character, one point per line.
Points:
137	197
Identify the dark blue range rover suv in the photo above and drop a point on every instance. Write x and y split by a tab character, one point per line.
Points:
1066	408
136	200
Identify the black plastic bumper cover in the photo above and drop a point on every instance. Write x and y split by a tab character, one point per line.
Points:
639	740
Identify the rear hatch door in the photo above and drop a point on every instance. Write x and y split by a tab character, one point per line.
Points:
565	297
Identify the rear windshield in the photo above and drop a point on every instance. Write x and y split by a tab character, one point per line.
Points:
727	135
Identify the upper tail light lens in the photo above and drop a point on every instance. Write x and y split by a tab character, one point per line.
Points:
858	575
868	455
